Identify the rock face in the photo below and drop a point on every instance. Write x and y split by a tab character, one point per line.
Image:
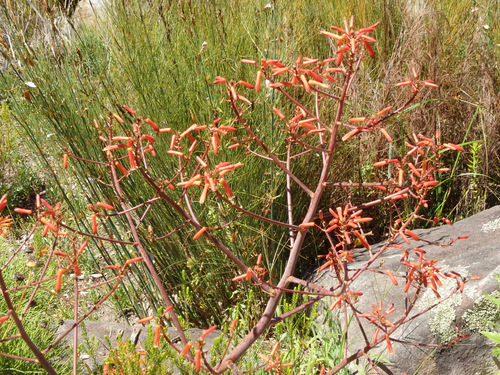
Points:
478	255
100	332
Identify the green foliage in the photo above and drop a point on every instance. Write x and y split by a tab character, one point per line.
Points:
38	324
161	58
494	335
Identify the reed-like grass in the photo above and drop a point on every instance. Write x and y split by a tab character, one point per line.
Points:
161	57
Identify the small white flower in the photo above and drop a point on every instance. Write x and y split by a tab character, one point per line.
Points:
486	27
268	6
30	84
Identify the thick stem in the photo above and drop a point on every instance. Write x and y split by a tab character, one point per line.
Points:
273	302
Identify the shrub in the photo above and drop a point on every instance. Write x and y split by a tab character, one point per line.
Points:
195	188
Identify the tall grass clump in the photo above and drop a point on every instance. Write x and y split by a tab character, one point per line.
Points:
162	56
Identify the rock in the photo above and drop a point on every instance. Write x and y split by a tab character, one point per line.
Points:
478	255
96	332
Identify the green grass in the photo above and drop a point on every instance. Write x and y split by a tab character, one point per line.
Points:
40	322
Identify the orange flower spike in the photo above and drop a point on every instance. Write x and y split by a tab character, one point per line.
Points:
233	324
45	231
369	49
4	318
65	160
226	187
131	159
307	225
118	118
336	303
199	233
249	273
279	113
429	83
400	177
330	35
132	260
61	254
203	195
3	200
351	134
362	220
46	204
219	80
48	224
386	134
93	219
259	259
453	147
176	153
155	127
59	276
197	359
105	205
206	332
408	284
156	340
275	349
357	119
23	211
234	95
257	81
121	168
404	83
340	214
129	110
305	83
362	239
247	61
412	235
77	270
186	348
391	276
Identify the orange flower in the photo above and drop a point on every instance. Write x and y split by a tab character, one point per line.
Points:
207	332
186	348
133	260
60	274
146	319
199	233
65	161
197	359
129	110
156	340
23	211
121	168
118	118
93	219
153	125
105	205
257	81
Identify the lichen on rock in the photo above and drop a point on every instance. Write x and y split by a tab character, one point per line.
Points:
443	316
483	311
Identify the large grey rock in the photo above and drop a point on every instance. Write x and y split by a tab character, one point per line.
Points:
479	255
95	336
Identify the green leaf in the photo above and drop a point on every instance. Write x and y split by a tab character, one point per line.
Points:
495	336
